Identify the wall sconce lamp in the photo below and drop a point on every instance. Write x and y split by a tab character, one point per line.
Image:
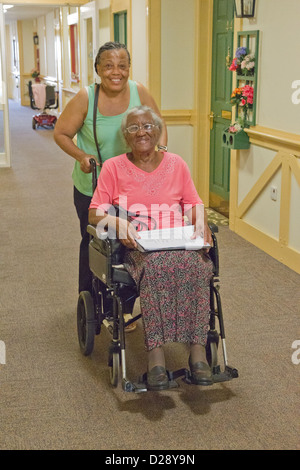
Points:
244	8
36	40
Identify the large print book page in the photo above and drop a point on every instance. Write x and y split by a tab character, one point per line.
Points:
177	238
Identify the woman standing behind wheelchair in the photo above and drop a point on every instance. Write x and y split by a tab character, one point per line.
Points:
117	94
174	286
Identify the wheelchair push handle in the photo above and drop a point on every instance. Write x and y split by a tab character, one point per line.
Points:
94	173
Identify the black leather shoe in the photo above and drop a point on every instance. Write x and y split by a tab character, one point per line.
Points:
201	373
157	379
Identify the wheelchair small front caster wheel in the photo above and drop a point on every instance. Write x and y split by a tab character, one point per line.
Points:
212	348
114	369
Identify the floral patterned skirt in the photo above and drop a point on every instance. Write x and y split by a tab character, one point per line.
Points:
174	291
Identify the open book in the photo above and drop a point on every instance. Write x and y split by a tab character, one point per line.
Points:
177	238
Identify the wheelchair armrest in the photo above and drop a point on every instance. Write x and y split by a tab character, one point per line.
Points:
107	245
214	254
92	230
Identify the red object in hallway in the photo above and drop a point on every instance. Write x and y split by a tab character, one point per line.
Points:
43	120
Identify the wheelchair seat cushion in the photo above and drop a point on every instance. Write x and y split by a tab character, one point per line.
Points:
122	276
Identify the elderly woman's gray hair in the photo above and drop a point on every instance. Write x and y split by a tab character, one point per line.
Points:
146	109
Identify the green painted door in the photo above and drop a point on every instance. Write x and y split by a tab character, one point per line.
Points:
220	98
120	27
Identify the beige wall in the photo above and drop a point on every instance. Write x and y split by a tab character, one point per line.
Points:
104	21
28	53
273	159
181	141
139	41
178	72
41	31
279	64
265	213
177	54
294	239
50	45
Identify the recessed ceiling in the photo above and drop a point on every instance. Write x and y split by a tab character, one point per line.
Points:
26	12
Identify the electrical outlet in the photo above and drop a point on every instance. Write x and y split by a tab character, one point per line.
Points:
274	193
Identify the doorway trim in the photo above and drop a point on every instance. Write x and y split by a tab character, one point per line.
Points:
5	158
89	11
202	93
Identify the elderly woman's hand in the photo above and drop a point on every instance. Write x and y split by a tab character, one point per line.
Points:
126	233
207	235
204	232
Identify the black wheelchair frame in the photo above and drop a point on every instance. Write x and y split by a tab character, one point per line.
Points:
111	282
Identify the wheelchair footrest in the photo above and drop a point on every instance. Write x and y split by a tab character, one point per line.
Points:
133	386
142	382
140	386
229	373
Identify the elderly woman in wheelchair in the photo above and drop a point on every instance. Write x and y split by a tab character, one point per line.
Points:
174	285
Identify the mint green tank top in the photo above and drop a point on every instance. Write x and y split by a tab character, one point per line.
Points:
109	135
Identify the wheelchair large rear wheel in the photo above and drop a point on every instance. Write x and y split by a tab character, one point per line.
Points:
86	322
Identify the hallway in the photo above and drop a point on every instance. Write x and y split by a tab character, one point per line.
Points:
51	397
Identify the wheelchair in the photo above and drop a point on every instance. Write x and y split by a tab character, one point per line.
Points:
112	285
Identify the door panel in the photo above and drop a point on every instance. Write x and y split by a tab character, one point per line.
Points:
220	82
220	97
220	167
89	25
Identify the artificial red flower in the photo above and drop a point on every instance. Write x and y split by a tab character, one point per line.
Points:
233	67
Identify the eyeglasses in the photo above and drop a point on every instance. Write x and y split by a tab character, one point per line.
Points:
134	128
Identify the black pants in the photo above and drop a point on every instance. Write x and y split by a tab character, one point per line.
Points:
82	203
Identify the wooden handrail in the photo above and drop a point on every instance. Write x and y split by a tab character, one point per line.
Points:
275	139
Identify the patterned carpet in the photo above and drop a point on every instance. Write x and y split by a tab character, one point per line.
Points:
216	218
